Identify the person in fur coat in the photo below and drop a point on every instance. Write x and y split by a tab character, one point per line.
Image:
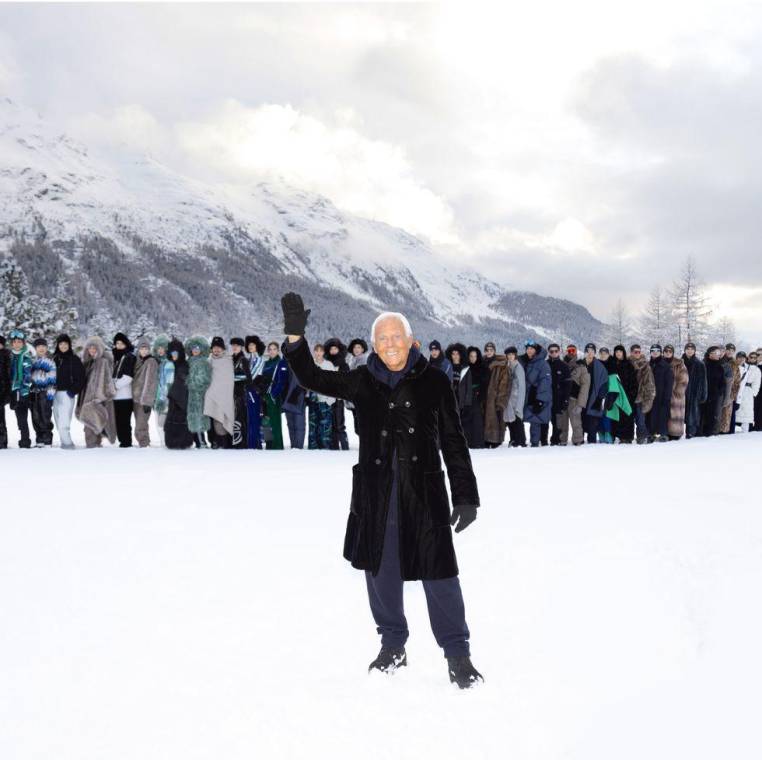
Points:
514	409
144	385
199	378
732	384
495	401
578	395
715	392
176	432
165	376
219	402
95	404
644	400
676	424
695	395
336	353
748	390
357	356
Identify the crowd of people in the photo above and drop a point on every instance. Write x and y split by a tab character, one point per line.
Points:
209	394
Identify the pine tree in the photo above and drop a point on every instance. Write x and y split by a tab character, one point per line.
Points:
724	331
657	323
619	328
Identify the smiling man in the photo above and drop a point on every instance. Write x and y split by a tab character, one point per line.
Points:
399	520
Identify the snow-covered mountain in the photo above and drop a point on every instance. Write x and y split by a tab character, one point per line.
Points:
138	243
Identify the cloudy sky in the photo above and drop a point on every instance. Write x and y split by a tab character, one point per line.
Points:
575	149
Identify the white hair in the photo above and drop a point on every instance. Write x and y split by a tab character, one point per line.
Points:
390	315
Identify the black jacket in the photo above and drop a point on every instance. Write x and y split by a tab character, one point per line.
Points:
5	375
70	373
561	378
400	425
124	363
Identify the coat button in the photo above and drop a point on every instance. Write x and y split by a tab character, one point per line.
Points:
411	430
414	458
391	404
407	403
378	461
384	433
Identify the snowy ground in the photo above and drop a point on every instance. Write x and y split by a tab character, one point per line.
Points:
163	605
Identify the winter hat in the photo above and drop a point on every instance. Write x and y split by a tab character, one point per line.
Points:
730	347
655	347
489	344
553	345
590	347
357	342
218	341
143	340
604	350
176	346
434	344
40	342
121	336
690	345
257	341
236	342
669	347
620	347
511	350
161	341
17	334
742	353
63	338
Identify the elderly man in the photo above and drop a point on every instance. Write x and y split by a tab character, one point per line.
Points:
399	520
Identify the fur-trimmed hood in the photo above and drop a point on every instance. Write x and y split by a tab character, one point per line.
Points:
197	340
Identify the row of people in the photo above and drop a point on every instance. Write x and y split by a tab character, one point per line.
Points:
602	396
204	395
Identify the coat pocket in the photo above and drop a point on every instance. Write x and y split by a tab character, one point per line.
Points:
436	498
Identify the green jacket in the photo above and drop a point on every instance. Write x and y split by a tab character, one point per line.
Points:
621	402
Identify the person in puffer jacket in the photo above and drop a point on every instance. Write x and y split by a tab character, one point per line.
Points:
123	374
42	394
5	389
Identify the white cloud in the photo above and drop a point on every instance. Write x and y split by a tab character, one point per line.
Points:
129	125
368	177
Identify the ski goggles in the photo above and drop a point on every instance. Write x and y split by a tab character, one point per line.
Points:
16	334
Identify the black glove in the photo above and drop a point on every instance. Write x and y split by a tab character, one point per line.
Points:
464	516
146	409
537	406
294	314
611	400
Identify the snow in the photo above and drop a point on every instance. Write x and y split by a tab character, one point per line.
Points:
194	605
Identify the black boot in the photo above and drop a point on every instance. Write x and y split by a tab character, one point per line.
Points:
388	660
463	673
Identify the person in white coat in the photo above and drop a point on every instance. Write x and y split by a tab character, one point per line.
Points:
751	378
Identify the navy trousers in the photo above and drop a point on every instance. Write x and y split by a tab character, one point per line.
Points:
444	599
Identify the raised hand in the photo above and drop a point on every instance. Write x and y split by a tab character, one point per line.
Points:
294	314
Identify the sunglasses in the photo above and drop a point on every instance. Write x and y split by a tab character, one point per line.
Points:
553	351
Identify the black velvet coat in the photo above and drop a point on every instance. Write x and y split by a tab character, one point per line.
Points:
402	423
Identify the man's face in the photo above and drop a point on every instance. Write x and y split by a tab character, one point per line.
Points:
571	351
318	353
511	356
554	352
217	350
603	355
753	358
590	355
690	351
729	353
41	350
17	344
531	351
741	359
655	353
357	349
272	351
391	343
715	354
144	351
489	351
